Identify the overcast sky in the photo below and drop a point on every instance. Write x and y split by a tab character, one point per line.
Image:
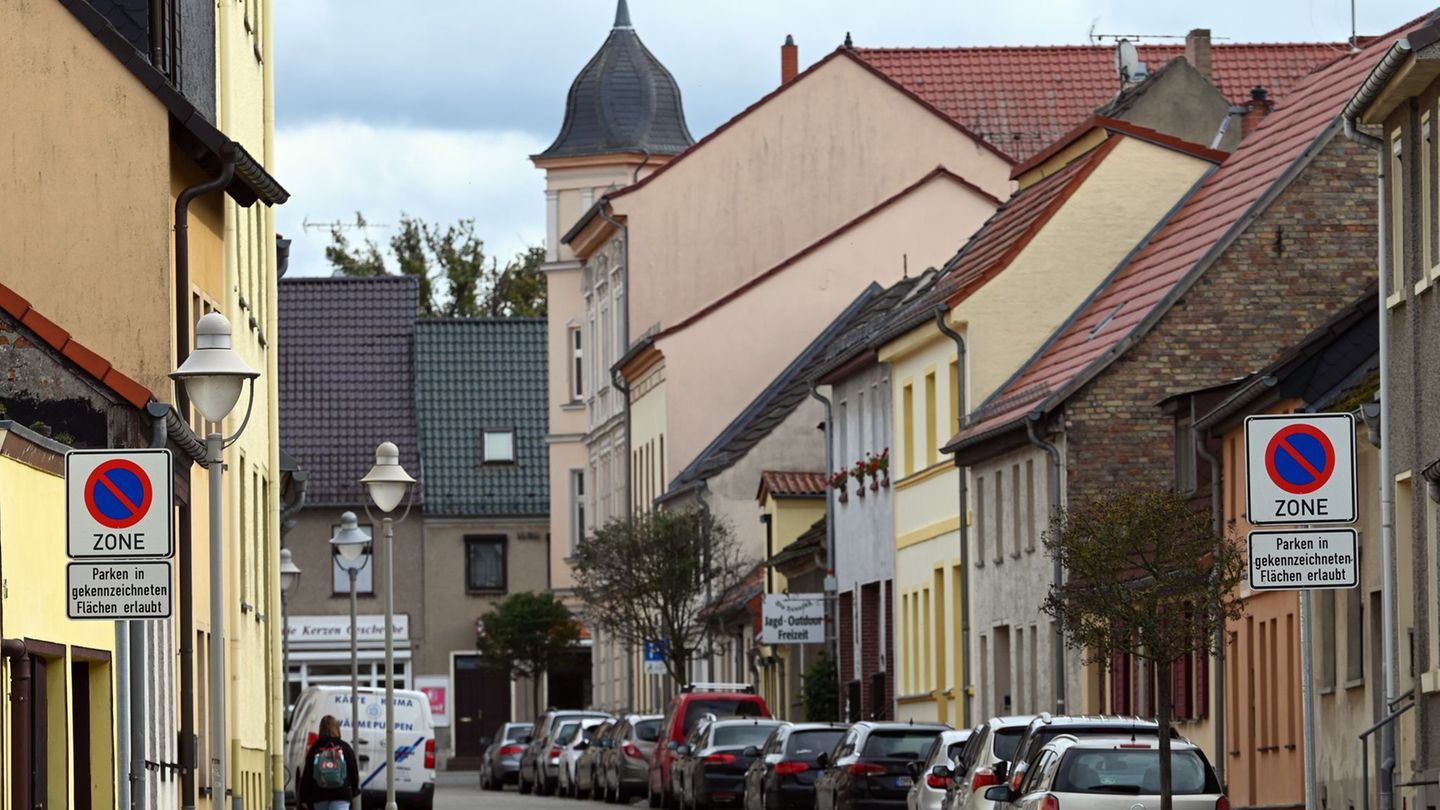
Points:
432	107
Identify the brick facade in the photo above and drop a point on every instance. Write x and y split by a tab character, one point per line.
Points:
869	645
1310	253
888	710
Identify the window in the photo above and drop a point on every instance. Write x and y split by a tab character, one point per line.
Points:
1325	629
1354	637
1427	228
484	563
364	577
1017	522
980	521
932	447
1184	455
577	363
955	414
860	446
499	446
907	417
1030	503
1397	218
577	508
999	517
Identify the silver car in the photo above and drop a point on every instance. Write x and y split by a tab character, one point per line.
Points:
1118	773
933	774
500	764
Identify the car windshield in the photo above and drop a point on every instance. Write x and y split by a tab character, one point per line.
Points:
647	730
566	733
907	744
740	707
813	743
1132	772
742	736
1006	741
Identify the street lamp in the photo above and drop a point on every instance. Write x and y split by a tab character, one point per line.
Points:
214	376
289	580
388	483
350	543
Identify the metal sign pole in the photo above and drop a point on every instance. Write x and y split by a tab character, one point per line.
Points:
1307	695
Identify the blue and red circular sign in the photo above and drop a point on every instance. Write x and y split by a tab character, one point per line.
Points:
1300	459
118	494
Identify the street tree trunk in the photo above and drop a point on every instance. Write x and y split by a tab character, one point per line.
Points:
1162	712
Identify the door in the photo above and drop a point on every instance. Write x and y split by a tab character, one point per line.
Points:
39	735
482	706
80	732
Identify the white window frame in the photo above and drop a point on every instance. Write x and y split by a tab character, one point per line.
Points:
498	458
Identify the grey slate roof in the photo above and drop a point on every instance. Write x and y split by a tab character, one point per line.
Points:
478	373
347	379
624	100
851	327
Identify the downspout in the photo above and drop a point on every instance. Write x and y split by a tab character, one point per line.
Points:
1058	642
618	380
1216	520
963	382
20	753
831	602
1386	787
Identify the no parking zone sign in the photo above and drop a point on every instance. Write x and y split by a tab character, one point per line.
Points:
1300	468
119	504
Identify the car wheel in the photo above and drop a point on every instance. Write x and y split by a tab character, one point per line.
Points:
522	784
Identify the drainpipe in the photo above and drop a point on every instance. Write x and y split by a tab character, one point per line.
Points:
1386	787
831	602
20	754
1216	484
182	406
618	380
1058	642
963	382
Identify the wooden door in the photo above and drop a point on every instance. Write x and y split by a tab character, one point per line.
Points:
482	706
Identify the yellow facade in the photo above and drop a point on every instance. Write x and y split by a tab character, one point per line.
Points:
788	519
33	609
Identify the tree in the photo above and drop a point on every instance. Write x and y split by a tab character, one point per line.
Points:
1149	577
524	634
645	578
821	690
473	283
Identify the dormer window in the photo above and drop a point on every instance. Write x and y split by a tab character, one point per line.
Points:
498	446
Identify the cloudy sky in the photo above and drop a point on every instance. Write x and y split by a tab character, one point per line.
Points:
432	107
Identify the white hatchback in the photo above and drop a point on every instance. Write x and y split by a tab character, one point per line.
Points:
1121	773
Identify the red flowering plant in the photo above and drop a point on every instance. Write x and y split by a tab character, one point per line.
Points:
837	480
858	472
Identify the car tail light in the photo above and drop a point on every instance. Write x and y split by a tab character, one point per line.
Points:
1223	803
1146	746
430	754
984	777
720	759
554	750
511	750
865	769
631	751
791	767
1049	802
1016	779
937	782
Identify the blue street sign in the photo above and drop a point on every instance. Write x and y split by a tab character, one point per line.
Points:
657	650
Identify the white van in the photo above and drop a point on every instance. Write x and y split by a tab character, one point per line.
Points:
414	742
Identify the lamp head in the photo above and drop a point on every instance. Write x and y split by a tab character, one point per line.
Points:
387	481
213	374
289	571
350	540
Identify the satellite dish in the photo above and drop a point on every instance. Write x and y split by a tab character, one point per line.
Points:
1127	62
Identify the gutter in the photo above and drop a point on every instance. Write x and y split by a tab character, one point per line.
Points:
21	756
618	380
964	596
831	587
1058	642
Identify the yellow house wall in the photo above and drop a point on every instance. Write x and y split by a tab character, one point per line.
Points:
82	137
33	564
649	429
748	199
789	518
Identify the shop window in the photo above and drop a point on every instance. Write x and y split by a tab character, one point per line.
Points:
485	564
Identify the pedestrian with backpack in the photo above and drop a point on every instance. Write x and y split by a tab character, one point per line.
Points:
332	775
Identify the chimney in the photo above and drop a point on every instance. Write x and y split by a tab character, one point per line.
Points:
1260	106
1197	52
789	59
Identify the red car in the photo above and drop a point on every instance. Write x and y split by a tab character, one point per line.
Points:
694	702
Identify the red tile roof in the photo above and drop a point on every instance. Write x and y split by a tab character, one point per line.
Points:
790	485
58	339
1020	98
1140	291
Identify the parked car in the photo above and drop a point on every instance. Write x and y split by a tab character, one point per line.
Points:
537	764
710	767
932	775
572	749
414	740
500	764
870	766
1046	727
625	763
695	702
1117	773
783	776
986	756
586	779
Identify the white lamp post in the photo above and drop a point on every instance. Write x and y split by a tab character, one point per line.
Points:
350	543
214	376
289	580
388	483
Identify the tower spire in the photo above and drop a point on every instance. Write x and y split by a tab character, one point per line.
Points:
622	15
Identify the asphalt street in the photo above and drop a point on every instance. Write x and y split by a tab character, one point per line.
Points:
460	790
